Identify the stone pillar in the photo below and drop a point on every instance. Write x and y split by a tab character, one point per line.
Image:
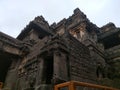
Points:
12	75
11	79
60	67
40	71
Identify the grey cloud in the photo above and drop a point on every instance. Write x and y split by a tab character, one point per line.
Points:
16	14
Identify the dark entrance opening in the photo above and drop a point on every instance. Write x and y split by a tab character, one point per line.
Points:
48	69
4	65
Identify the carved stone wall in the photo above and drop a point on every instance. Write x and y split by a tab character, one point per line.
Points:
44	55
82	67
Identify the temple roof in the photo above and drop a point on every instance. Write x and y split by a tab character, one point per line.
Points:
6	37
38	24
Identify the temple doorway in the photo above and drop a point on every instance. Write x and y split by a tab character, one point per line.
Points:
4	66
48	69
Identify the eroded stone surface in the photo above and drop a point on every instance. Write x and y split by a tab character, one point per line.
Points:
44	55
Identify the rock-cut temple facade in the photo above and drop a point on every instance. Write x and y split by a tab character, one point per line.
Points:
44	55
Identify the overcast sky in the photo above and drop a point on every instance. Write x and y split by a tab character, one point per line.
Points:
16	14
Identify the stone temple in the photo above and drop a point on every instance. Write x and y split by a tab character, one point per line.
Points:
73	49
